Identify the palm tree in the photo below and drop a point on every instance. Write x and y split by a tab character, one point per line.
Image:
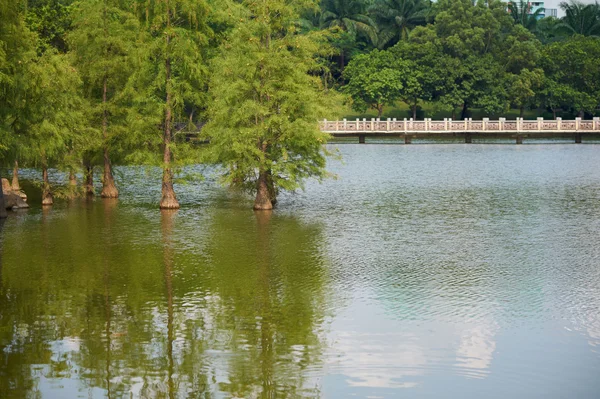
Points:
521	13
582	19
349	16
396	18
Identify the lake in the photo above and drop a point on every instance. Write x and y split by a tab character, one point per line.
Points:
456	271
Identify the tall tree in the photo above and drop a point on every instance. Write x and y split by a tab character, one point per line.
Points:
572	67
266	103
55	107
169	81
524	86
17	58
582	19
102	40
351	18
374	80
396	18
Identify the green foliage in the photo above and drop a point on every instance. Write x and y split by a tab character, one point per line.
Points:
374	80
580	19
350	16
396	18
102	41
523	87
572	66
51	20
174	33
266	100
465	29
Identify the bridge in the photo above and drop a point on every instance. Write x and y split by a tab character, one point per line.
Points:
409	129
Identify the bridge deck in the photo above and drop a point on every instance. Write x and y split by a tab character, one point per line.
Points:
427	128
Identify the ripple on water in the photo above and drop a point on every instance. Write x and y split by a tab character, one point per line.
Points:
437	270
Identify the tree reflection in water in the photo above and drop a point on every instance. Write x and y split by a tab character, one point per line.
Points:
101	310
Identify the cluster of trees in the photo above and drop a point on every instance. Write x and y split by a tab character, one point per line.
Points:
95	82
488	55
92	83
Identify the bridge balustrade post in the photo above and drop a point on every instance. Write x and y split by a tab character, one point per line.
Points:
519	124
484	123
372	124
501	123
596	123
405	126
577	122
364	124
345	125
387	125
540	122
558	123
466	121
445	124
394	120
357	124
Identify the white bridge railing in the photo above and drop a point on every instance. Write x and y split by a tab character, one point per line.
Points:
376	125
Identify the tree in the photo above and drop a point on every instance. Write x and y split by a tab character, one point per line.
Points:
265	103
374	80
103	39
522	15
169	80
17	56
55	113
396	18
524	87
348	16
417	60
574	63
581	19
51	20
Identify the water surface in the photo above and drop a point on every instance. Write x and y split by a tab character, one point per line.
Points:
462	271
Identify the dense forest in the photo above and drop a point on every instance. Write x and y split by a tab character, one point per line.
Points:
85	85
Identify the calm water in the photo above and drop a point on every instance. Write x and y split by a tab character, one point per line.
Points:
462	271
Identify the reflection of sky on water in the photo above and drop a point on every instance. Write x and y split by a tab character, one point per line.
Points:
370	349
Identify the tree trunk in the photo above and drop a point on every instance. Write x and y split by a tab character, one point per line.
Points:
168	200
47	198
3	213
554	113
453	112
463	113
109	190
413	108
15	177
89	180
521	112
263	199
379	110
